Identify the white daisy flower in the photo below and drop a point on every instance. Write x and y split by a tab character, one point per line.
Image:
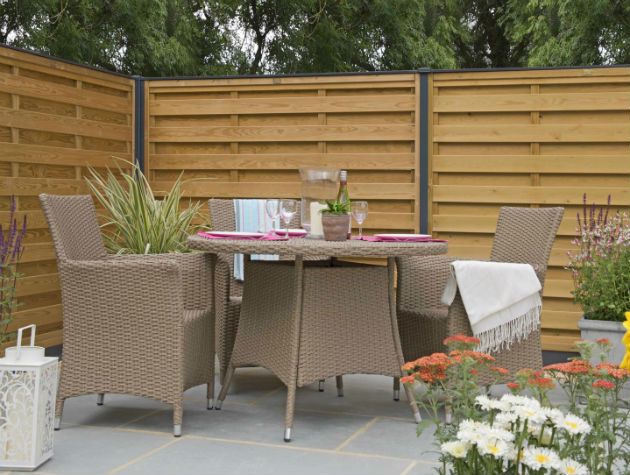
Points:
488	404
495	447
513	400
552	414
505	419
574	424
456	449
571	467
496	432
470	436
532	414
538	458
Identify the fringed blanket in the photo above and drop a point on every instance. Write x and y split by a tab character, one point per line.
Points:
502	300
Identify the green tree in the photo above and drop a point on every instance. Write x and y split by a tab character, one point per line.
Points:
571	32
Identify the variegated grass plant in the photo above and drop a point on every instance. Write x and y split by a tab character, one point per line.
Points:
136	221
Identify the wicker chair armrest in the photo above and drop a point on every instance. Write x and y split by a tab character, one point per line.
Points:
222	279
421	281
146	292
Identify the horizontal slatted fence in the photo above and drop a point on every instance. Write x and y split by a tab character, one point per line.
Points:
55	119
528	138
249	137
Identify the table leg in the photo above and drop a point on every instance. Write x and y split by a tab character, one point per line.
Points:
391	269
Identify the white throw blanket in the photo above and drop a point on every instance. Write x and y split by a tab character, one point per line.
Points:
251	217
502	300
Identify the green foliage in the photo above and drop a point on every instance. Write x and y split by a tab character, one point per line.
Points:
603	287
136	222
198	37
336	207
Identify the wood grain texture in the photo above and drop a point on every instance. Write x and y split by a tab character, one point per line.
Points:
573	139
247	138
61	118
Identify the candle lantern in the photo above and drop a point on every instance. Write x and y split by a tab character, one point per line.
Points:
28	389
318	185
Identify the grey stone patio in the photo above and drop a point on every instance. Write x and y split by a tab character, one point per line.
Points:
364	432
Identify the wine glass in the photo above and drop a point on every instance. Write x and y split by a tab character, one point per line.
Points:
359	213
272	208
288	208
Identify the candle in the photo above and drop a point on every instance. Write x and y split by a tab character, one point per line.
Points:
317	230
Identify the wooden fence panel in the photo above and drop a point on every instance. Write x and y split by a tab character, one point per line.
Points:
249	137
55	119
528	138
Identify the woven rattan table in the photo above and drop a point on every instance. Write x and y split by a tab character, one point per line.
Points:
305	321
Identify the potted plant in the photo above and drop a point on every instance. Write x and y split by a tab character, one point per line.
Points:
136	222
600	269
336	220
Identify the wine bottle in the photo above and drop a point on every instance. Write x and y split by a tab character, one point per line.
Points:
343	196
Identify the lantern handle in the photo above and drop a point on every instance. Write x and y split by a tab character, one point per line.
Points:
19	338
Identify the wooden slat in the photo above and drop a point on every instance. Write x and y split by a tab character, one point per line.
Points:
30	87
571	163
35	186
46	155
557	195
493	133
209	188
538	102
65	125
298	133
283	161
284	105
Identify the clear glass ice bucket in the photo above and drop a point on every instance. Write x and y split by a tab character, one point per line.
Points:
318	184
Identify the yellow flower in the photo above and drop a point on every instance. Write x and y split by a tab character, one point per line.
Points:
626	341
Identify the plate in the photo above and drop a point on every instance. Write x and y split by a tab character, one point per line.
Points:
403	236
241	234
292	232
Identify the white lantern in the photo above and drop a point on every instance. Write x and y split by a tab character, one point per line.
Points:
28	389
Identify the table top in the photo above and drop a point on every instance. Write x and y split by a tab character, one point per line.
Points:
318	247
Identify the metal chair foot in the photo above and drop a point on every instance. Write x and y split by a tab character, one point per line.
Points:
321	385
57	423
417	417
210	403
287	434
396	394
218	405
339	392
177	430
100	399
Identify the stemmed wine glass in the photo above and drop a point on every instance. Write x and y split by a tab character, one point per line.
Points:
359	213
288	208
272	208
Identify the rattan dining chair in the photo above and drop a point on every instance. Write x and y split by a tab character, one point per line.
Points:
229	291
523	235
138	325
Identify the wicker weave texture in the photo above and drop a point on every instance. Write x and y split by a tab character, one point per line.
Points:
524	235
140	325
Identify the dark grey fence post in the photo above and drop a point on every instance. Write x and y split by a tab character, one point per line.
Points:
138	132
424	149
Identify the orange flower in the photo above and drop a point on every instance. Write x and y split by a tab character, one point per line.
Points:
500	370
603	341
542	383
612	370
603	384
571	367
513	386
407	379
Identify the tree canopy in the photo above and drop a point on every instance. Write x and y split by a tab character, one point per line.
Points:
197	37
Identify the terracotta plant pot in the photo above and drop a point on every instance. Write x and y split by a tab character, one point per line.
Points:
335	226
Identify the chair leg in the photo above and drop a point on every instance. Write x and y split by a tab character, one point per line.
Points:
178	412
224	387
339	380
58	413
288	418
210	394
100	399
413	404
396	389
321	385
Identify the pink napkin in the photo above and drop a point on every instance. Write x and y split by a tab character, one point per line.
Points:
397	239
267	237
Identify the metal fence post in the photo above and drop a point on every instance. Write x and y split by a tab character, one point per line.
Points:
138	132
424	149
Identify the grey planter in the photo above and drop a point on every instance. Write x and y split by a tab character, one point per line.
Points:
614	331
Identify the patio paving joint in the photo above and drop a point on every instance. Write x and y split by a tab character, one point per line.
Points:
362	430
146	455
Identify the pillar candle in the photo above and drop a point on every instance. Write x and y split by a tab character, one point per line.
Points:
317	230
